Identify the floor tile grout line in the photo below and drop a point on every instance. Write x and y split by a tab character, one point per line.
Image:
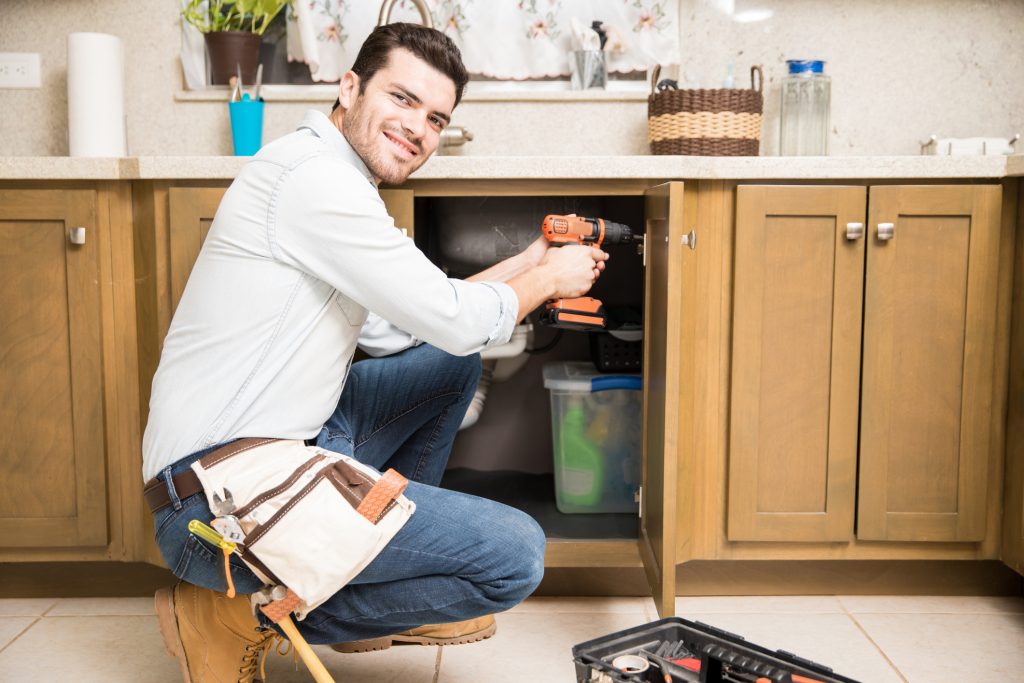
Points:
878	647
437	665
49	609
20	634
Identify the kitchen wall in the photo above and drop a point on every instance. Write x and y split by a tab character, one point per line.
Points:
901	71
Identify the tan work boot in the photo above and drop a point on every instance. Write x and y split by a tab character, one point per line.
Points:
455	633
215	638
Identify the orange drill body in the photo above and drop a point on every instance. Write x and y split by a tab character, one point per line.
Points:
580	313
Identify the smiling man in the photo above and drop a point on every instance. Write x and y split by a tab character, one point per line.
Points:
301	265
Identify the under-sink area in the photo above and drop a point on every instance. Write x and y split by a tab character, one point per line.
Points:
507	454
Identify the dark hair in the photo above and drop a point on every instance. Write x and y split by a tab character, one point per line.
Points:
430	45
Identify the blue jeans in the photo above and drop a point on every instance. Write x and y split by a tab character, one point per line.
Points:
458	557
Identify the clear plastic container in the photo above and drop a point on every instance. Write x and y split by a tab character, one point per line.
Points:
806	106
595	422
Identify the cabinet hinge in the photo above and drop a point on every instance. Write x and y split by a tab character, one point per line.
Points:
638	497
641	248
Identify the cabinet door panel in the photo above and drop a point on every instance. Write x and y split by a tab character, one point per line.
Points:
52	466
663	292
1013	497
796	343
929	331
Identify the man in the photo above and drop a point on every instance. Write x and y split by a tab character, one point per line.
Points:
261	345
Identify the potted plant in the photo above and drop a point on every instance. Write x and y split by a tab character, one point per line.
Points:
232	30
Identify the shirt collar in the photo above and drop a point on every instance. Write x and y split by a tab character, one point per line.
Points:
324	128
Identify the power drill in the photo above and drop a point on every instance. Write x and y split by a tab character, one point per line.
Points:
581	313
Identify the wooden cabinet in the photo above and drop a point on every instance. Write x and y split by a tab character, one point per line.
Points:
811	393
67	361
919	396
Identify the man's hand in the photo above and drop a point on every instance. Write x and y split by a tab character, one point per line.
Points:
534	254
572	269
563	272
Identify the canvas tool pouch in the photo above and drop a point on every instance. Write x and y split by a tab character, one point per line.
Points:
312	518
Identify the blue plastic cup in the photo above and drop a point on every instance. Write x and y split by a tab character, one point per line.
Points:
246	125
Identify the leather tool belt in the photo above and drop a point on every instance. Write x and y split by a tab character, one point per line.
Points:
299	516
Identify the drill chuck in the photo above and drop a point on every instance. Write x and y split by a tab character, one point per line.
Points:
617	233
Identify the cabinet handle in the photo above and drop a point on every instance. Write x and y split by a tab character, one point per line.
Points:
77	235
886	231
690	240
854	231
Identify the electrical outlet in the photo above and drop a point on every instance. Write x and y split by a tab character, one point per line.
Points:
19	70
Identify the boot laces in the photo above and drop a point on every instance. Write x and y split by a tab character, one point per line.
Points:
255	656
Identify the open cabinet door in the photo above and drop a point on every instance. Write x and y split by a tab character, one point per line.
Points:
663	244
1013	501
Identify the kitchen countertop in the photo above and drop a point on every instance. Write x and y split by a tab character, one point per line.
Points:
596	167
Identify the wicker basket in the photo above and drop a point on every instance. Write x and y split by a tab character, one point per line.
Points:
703	122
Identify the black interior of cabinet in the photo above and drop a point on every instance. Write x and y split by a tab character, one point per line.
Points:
507	455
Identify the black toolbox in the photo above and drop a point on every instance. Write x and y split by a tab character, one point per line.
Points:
690	651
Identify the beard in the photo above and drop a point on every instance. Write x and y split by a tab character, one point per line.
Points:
367	145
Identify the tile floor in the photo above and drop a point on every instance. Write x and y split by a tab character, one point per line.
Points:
871	639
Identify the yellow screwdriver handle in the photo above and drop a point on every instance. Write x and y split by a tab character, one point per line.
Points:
210	535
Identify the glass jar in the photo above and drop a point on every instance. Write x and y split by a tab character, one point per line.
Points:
806	95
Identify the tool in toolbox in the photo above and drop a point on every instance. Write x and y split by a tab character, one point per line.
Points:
682	651
580	313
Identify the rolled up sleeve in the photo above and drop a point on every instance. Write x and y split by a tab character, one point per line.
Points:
329	222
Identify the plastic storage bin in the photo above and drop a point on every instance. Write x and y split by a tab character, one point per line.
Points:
595	423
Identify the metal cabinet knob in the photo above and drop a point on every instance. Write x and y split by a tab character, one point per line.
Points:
77	235
690	240
854	231
886	231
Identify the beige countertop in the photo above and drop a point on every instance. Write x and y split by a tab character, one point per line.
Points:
595	167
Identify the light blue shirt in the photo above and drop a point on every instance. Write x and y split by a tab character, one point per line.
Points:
300	250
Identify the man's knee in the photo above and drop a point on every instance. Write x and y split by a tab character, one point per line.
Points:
524	545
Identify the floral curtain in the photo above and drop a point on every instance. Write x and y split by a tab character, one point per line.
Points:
506	39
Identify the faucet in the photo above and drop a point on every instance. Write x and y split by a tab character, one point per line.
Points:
388	6
451	137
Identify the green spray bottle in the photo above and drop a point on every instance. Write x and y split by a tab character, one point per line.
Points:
582	463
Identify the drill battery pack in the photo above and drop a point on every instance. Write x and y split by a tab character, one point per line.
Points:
680	650
582	313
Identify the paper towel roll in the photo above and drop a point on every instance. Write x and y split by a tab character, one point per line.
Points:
96	125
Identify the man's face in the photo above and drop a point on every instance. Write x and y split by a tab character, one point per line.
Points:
396	123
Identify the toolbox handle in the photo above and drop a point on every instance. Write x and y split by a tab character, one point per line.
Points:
616	382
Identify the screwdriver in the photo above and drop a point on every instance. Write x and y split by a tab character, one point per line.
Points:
213	537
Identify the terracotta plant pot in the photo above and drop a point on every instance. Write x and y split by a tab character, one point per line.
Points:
229	50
